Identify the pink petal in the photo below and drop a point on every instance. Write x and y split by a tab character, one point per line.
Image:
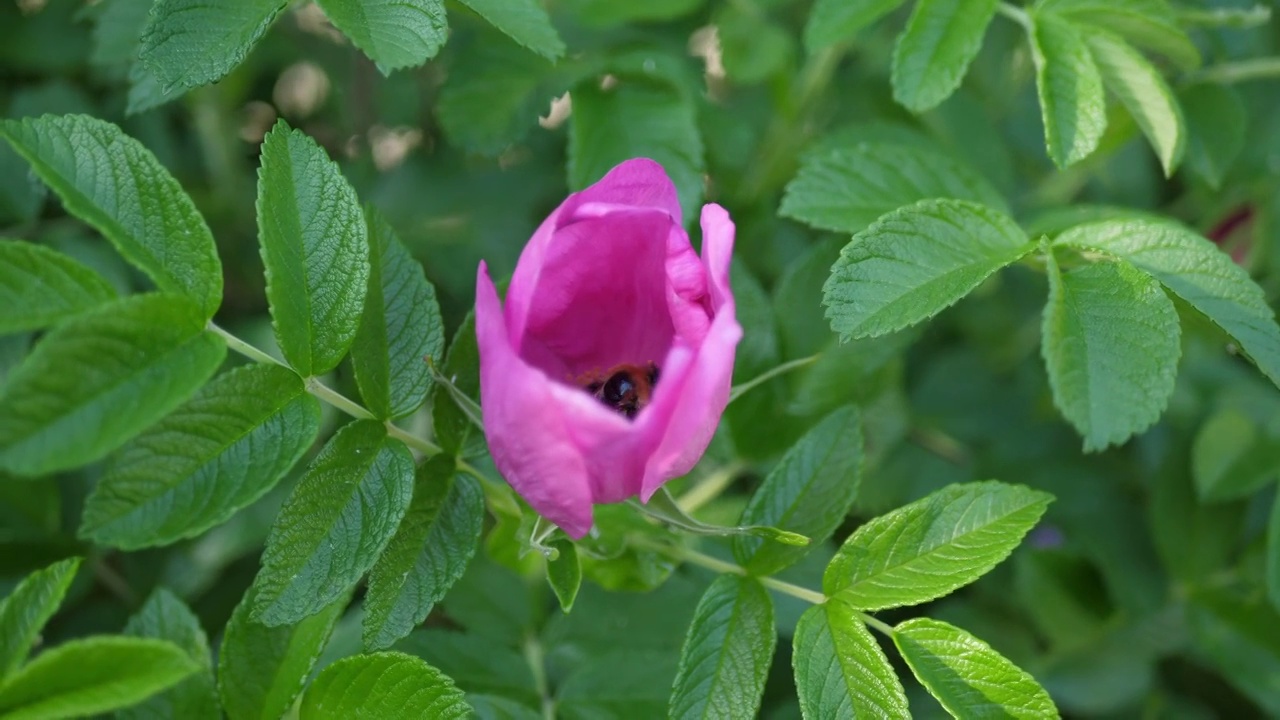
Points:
600	298
704	393
529	438
639	183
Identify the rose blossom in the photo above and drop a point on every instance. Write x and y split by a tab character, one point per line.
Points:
608	280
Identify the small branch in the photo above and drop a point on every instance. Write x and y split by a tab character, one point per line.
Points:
422	445
337	399
1016	14
764	377
715	564
242	347
1234	72
710	488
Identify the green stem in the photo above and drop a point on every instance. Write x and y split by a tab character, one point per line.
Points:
1234	72
764	377
710	488
720	566
534	657
327	394
1016	14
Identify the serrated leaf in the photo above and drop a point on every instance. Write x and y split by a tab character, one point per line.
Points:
430	550
1216	120
967	676
727	652
315	248
564	573
1072	99
39	287
524	21
117	25
933	546
93	675
24	611
219	452
916	261
1143	92
165	617
110	181
846	189
262	669
808	492
383	685
933	53
393	33
833	21
1110	341
1149	24
100	378
400	329
636	118
335	524
494	97
1198	272
840	670
189	43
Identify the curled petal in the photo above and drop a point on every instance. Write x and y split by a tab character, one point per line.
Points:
704	391
529	437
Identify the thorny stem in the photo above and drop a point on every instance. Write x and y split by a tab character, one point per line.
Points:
327	394
786	367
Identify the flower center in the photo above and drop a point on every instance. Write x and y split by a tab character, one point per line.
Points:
625	388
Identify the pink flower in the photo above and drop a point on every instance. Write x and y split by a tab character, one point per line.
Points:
608	280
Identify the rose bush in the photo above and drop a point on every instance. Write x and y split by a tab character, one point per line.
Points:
609	279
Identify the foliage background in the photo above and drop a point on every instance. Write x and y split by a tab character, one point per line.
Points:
1143	593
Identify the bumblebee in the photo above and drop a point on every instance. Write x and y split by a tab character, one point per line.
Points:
625	388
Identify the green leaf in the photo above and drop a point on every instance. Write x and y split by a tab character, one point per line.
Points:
612	12
753	49
1110	341
495	97
189	43
1149	24
916	261
335	524
429	552
1240	638
110	181
727	652
393	33
93	675
564	573
1272	570
933	53
165	617
1216	120
846	189
524	21
219	452
40	287
262	669
25	611
841	672
833	21
315	248
637	118
100	378
400	329
1143	92
383	685
933	546
966	675
1072	100
808	492
1229	458
1198	272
